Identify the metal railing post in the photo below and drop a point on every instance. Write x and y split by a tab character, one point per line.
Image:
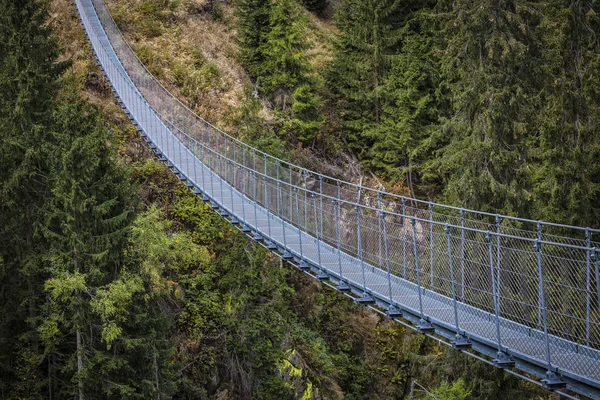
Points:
462	254
286	254
498	259
342	287
233	219
379	231
404	238
299	230
221	176
257	235
488	239
423	326
538	249
392	311
269	240
366	297
431	272
321	203
588	284
314	197
540	227
291	196
460	341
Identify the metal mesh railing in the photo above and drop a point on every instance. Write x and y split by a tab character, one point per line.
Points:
540	275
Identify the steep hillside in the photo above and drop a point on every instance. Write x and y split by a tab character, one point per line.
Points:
244	325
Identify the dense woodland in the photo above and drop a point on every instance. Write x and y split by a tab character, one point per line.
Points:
116	282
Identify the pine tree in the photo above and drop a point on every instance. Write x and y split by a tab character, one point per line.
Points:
28	83
566	174
287	75
491	67
101	317
412	104
369	39
253	26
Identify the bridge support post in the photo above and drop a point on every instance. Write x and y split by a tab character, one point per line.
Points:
431	265
462	254
404	238
424	326
317	230
366	297
392	311
459	342
342	286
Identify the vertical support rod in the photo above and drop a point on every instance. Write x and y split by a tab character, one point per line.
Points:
336	216
379	230
314	197
462	254
305	201
404	239
291	196
540	227
387	257
488	239
360	250
253	172
498	264
282	220
232	170
266	200
243	175
417	270
211	154
321	206
299	230
588	284
431	272
538	248
447	229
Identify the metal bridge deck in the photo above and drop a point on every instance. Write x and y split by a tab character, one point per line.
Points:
578	365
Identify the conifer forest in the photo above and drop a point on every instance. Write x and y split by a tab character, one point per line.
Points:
117	282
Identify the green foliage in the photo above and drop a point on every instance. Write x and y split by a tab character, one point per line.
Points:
455	391
368	40
28	82
253	26
273	49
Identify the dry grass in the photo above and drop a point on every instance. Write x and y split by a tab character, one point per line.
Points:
190	51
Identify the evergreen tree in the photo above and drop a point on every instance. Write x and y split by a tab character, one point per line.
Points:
104	335
565	173
28	82
412	104
369	39
287	76
491	65
253	26
85	225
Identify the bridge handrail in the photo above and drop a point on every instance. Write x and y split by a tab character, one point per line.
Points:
378	210
426	204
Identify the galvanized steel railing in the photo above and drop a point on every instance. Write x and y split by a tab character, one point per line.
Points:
542	275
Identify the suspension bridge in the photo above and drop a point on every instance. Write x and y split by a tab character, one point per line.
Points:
521	294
